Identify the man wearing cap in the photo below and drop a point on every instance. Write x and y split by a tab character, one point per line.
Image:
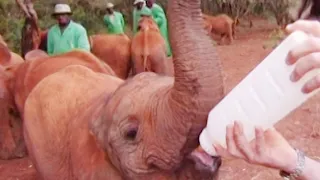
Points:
66	35
161	20
139	7
114	20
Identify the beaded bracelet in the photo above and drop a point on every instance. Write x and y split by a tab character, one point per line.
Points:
298	170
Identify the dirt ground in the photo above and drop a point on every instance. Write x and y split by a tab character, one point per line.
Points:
301	128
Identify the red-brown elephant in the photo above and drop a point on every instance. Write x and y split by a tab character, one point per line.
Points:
148	49
35	69
10	124
75	98
11	141
147	126
113	50
16	82
220	27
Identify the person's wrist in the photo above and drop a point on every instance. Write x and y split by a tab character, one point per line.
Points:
292	160
294	170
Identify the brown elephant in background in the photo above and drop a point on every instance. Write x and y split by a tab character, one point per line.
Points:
16	82
147	126
220	27
40	65
113	50
148	49
11	141
10	124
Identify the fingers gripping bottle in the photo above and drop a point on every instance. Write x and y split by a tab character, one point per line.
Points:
264	97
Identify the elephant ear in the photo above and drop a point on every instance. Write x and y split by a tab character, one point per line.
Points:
5	55
98	124
35	54
97	127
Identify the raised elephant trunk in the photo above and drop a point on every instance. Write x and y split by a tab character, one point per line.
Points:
198	84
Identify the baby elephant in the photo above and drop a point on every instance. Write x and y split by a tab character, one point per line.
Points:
148	49
220	27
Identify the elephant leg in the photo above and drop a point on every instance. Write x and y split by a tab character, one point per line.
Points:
139	65
131	71
136	65
230	35
212	36
222	40
158	64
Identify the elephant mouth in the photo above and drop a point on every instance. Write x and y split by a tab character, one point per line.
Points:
205	162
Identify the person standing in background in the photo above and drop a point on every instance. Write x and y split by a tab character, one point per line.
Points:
161	20
66	35
139	7
114	20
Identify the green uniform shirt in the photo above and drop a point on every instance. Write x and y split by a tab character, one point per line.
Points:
74	36
115	23
161	20
137	15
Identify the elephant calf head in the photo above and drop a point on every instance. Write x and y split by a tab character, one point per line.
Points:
147	23
151	123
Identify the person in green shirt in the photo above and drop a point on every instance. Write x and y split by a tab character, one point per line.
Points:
114	20
161	20
139	7
66	35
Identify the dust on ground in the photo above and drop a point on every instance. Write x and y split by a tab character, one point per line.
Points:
301	128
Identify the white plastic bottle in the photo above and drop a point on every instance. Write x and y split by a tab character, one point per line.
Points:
264	97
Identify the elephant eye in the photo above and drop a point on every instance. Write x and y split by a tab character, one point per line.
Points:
131	134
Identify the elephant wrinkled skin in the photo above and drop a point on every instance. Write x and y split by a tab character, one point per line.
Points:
151	124
147	126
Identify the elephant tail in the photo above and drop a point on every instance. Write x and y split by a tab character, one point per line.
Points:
235	23
233	29
145	63
145	51
91	42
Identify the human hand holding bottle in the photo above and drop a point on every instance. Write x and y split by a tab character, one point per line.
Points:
270	148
